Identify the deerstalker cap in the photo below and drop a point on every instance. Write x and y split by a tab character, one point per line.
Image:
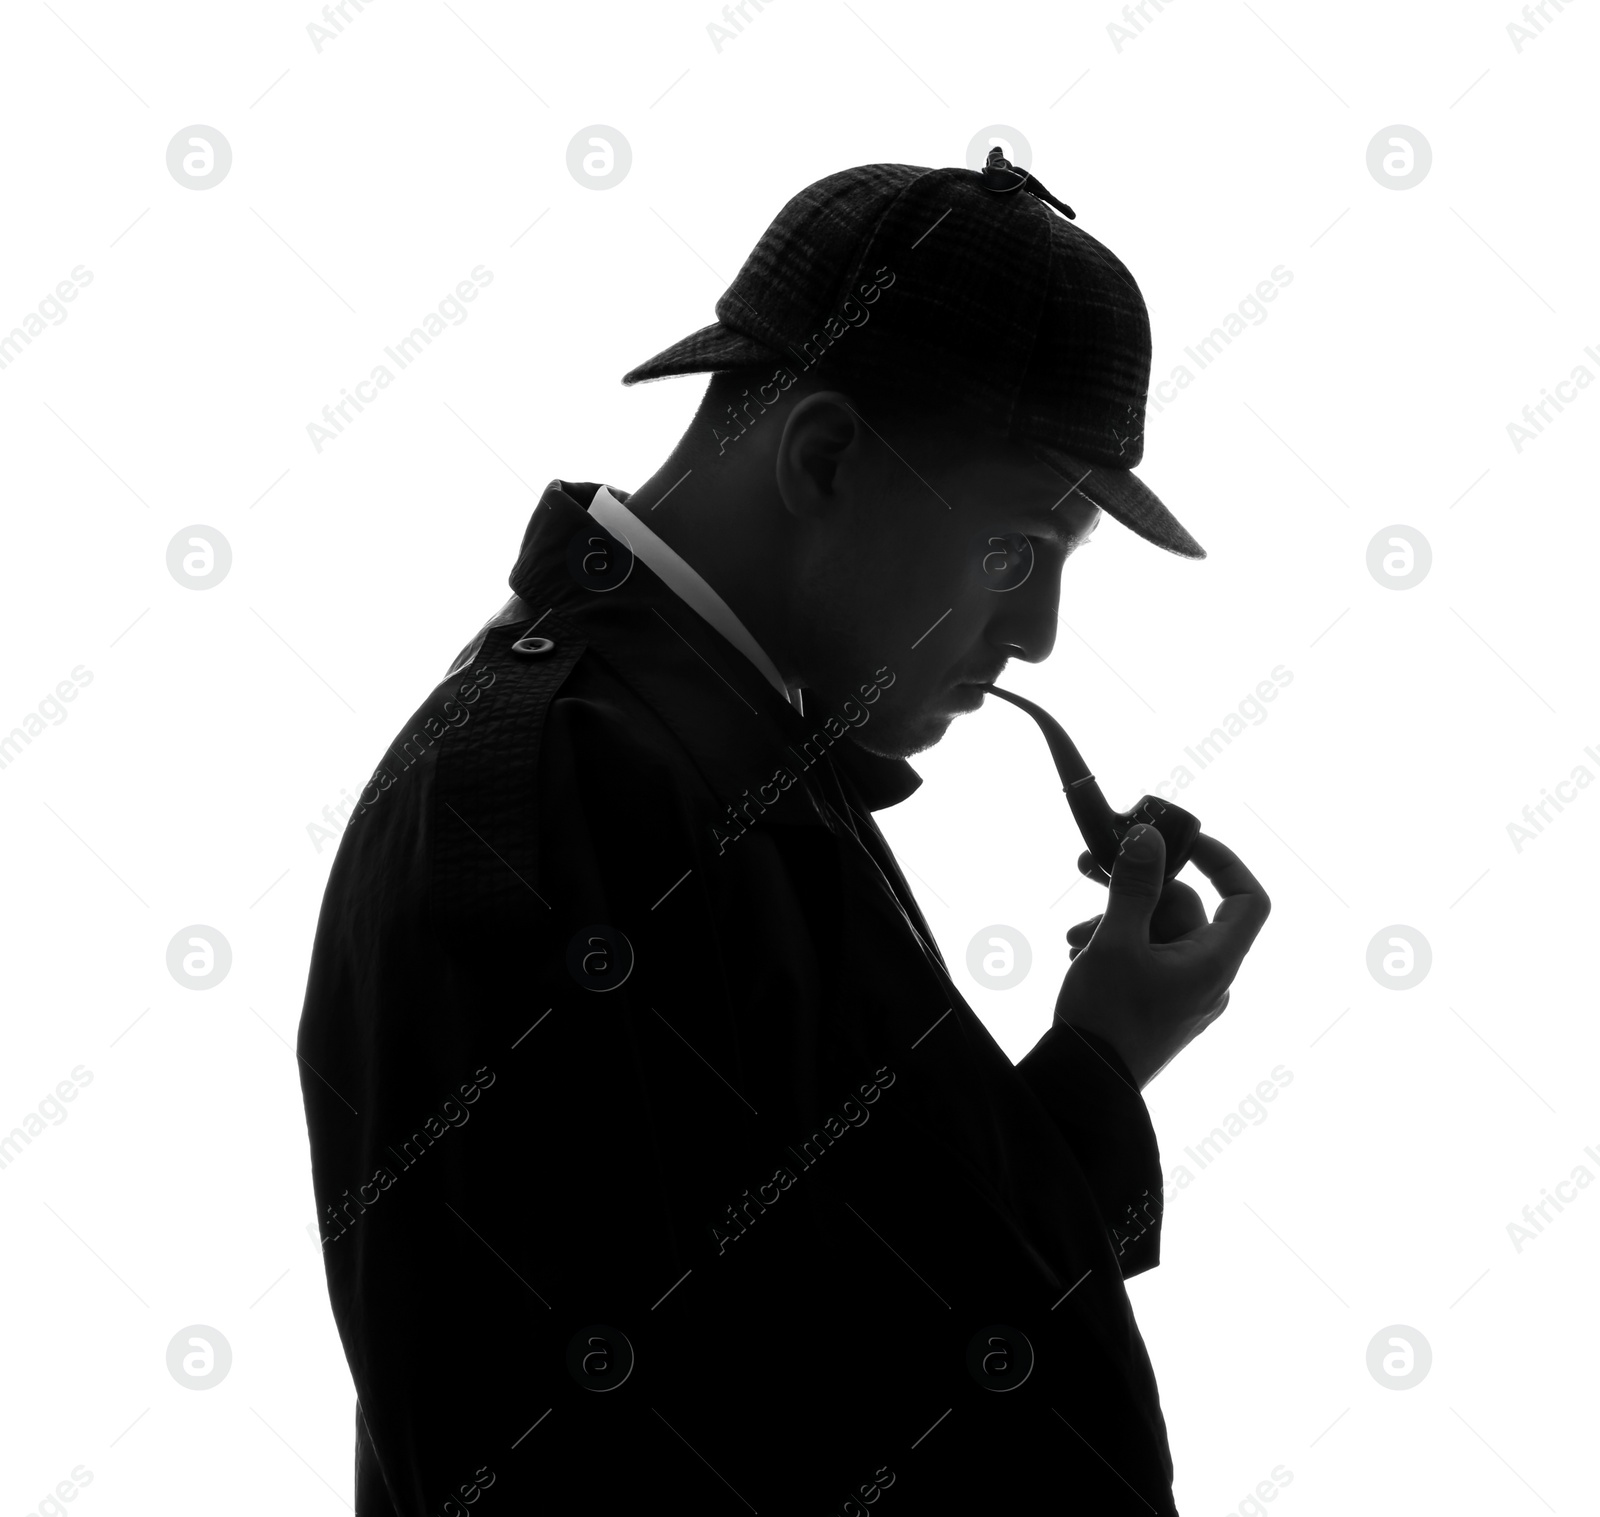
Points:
981	284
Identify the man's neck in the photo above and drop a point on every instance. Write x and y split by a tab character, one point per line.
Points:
707	519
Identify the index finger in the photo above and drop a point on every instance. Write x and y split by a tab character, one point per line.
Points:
1244	906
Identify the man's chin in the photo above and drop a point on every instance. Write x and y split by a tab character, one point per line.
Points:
902	740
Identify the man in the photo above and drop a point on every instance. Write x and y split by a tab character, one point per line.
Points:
659	1158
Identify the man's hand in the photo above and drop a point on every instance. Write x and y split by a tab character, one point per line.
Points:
1151	973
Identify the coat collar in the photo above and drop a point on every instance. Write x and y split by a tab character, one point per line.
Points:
738	729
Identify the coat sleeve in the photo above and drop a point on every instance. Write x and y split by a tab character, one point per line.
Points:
512	1126
1085	1087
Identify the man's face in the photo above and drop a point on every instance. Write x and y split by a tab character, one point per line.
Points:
942	561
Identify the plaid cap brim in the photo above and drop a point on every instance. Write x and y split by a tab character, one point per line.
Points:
1121	494
714	347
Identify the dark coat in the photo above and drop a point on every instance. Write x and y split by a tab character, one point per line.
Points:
659	1160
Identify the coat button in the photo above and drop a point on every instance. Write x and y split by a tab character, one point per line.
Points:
533	647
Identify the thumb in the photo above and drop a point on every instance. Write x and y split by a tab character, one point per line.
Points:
1137	878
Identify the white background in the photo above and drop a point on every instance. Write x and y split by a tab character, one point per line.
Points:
368	178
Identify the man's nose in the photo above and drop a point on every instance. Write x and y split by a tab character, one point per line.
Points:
1024	621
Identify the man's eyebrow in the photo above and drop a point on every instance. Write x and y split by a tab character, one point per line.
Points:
1052	525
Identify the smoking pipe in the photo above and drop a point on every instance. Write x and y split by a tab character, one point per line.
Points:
1103	828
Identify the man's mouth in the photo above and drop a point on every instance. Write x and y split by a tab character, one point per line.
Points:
968	693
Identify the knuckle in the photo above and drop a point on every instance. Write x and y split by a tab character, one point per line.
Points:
1140	888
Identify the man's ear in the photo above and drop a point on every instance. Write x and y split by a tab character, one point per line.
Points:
822	434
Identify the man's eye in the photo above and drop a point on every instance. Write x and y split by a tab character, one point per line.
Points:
1006	559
